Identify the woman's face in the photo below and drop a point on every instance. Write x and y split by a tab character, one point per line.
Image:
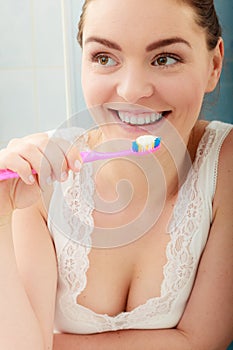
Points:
144	63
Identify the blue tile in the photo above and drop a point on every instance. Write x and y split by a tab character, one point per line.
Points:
17	104
51	99
16	34
48	33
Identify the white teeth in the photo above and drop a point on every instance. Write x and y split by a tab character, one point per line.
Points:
133	120
153	118
139	119
127	120
147	119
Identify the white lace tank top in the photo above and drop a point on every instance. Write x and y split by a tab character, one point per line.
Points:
70	220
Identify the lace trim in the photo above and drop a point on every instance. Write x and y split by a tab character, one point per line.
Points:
181	261
78	205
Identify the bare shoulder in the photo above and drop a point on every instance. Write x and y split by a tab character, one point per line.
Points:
224	186
227	147
224	183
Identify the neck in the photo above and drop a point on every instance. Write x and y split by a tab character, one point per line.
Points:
157	176
163	172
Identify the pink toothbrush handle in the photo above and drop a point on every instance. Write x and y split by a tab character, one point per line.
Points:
87	157
6	174
91	156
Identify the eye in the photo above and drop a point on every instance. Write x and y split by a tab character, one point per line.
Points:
165	60
104	60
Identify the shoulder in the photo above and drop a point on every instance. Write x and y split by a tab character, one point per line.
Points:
224	185
227	148
218	138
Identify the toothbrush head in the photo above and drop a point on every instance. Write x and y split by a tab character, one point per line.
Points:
146	143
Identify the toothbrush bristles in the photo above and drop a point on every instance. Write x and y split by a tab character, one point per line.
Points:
145	143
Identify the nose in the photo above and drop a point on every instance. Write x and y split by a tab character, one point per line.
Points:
134	85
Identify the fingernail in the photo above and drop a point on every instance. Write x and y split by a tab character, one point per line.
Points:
78	164
63	176
31	179
49	180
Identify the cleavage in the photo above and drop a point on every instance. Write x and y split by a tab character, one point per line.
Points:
122	278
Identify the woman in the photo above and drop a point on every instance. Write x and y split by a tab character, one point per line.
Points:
167	283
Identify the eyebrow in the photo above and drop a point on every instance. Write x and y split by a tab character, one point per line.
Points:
153	46
166	42
105	42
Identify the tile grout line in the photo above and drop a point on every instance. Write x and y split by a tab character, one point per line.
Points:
34	69
66	58
23	68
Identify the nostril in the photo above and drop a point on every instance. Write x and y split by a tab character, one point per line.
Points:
134	87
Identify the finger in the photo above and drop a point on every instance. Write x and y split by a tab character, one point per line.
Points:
70	152
54	153
32	154
13	162
29	153
72	158
44	156
72	155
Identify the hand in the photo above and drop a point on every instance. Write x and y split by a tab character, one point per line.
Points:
50	158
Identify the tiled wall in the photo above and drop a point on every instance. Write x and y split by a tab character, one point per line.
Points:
32	72
32	84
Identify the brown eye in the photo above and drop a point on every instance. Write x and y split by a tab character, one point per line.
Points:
162	61
105	60
165	60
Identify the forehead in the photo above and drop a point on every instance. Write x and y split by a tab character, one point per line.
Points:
136	19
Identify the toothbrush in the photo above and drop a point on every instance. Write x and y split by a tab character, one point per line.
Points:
142	145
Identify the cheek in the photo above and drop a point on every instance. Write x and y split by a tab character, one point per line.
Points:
184	94
96	89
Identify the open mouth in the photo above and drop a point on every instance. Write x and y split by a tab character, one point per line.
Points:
141	118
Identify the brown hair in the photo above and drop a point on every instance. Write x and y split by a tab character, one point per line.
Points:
81	22
206	17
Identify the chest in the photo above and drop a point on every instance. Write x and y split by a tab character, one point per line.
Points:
124	266
125	271
117	277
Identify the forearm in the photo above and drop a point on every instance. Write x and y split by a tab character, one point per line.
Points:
16	314
128	339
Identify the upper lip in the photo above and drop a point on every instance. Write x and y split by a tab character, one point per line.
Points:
123	107
137	112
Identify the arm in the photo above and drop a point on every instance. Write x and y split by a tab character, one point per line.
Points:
127	339
27	259
207	323
37	266
28	283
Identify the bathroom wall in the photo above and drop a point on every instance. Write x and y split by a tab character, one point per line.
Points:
220	104
38	91
32	83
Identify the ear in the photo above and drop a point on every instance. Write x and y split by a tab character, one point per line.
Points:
216	63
